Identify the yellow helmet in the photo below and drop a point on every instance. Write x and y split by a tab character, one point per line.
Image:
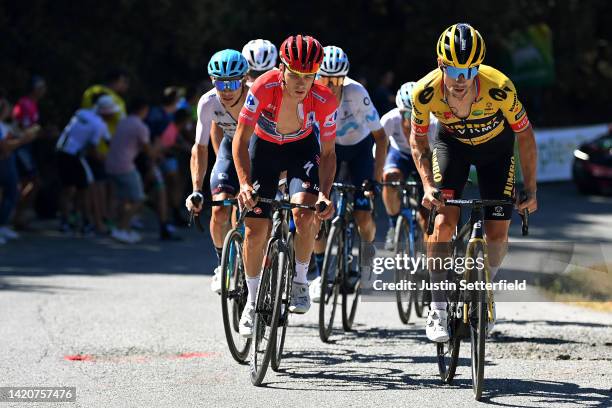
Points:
461	46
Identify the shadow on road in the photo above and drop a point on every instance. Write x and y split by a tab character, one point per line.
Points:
17	286
556	323
552	393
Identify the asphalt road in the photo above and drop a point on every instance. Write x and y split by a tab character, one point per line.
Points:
137	326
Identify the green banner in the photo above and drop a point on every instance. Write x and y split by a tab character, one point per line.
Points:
529	57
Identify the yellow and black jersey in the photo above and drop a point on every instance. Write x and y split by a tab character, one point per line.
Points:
496	109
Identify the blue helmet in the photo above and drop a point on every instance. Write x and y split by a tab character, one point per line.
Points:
227	64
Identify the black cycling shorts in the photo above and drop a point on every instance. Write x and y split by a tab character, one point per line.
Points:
300	159
223	177
494	162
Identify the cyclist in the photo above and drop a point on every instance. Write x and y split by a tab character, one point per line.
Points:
399	164
280	113
218	111
480	117
358	128
261	55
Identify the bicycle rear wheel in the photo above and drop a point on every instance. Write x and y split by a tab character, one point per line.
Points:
478	325
403	245
286	276
448	353
233	295
330	283
265	322
351	265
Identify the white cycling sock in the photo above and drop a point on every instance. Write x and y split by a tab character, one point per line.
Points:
252	285
439	306
301	270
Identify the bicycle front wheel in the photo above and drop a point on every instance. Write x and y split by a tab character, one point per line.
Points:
404	245
351	265
330	283
233	295
285	283
478	325
267	310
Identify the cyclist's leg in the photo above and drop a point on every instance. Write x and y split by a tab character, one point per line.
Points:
264	175
451	167
496	182
392	172
319	245
303	177
223	184
361	168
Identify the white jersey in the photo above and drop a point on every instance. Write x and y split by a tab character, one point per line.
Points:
357	116
392	122
85	128
209	109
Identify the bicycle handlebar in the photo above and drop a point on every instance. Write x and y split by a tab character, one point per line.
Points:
401	183
286	205
477	203
197	201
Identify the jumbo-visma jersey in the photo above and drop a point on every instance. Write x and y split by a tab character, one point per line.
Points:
495	111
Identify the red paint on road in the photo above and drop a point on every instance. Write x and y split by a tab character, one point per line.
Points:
79	357
195	355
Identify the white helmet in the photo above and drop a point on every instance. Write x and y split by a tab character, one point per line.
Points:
403	99
261	54
335	62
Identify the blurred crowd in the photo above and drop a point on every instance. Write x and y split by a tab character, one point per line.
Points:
113	158
95	173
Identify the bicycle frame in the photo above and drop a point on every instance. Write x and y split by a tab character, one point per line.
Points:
344	220
476	229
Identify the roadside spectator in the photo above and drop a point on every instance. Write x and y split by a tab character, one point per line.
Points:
26	114
173	146
131	138
79	138
190	101
157	120
9	178
159	117
100	191
116	84
383	97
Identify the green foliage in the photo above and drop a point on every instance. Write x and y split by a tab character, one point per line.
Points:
73	44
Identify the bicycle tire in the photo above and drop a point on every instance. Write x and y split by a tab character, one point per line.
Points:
233	295
267	310
330	283
287	283
402	245
478	328
350	296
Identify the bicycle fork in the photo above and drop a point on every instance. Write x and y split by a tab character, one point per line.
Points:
470	254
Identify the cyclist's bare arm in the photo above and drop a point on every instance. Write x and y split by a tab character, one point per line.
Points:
327	166
529	158
381	140
327	172
242	161
198	165
421	154
216	135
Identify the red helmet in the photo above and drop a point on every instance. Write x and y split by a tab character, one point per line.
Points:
302	54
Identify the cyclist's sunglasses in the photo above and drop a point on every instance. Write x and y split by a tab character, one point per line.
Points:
455	73
333	81
227	85
406	114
